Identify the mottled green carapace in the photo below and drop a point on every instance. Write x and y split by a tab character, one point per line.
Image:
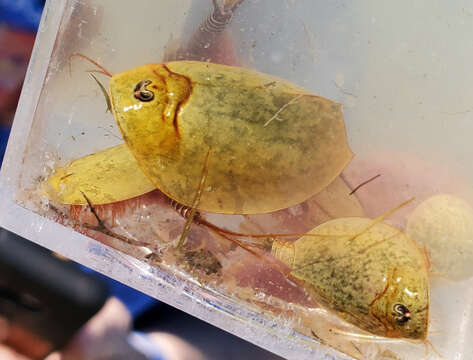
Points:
273	144
370	273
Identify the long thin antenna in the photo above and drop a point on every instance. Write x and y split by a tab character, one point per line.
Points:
364	183
195	203
104	71
104	92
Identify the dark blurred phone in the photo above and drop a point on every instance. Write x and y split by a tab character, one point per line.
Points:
43	298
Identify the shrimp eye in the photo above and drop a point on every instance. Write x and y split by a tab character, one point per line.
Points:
401	314
142	93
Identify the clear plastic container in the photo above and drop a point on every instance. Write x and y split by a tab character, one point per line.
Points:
400	72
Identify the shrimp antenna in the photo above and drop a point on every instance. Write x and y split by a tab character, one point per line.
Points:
104	92
102	69
195	203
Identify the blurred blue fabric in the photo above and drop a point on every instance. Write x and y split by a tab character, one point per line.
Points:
25	15
4	133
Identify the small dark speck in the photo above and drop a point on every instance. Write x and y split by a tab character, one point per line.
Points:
82	133
66	176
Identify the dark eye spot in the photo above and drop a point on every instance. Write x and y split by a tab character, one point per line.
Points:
401	314
142	93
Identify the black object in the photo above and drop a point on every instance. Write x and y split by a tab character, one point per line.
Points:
44	299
